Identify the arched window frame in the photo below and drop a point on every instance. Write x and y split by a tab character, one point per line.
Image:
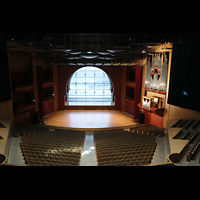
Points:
99	98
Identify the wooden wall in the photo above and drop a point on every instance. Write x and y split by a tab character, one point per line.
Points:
27	89
6	111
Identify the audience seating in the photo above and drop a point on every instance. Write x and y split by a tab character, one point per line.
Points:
122	148
41	147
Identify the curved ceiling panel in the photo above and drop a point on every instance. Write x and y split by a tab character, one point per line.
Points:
62	50
106	58
71	58
75	53
103	53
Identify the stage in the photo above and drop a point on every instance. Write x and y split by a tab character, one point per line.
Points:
89	120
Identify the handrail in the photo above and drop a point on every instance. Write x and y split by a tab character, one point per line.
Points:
162	164
173	158
3	158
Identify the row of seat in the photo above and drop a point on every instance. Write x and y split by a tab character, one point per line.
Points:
120	134
28	130
184	123
125	157
149	129
37	129
52	163
132	149
124	163
187	134
193	150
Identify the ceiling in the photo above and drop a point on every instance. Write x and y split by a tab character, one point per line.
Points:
95	48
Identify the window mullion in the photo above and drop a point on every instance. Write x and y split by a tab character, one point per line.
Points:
90	84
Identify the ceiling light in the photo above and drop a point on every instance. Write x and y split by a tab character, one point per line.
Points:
88	57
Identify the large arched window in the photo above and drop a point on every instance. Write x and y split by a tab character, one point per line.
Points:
90	86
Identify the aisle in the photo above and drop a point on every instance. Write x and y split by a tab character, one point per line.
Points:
88	155
160	154
15	156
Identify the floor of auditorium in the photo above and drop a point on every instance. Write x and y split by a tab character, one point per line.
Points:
104	145
89	121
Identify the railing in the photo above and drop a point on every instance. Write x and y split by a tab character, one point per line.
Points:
3	158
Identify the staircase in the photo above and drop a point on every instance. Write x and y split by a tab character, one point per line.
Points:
160	154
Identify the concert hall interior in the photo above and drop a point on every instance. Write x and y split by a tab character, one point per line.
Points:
99	99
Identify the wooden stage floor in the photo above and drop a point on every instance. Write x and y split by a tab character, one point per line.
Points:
90	119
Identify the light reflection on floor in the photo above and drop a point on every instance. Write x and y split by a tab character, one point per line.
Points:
88	155
60	150
87	151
